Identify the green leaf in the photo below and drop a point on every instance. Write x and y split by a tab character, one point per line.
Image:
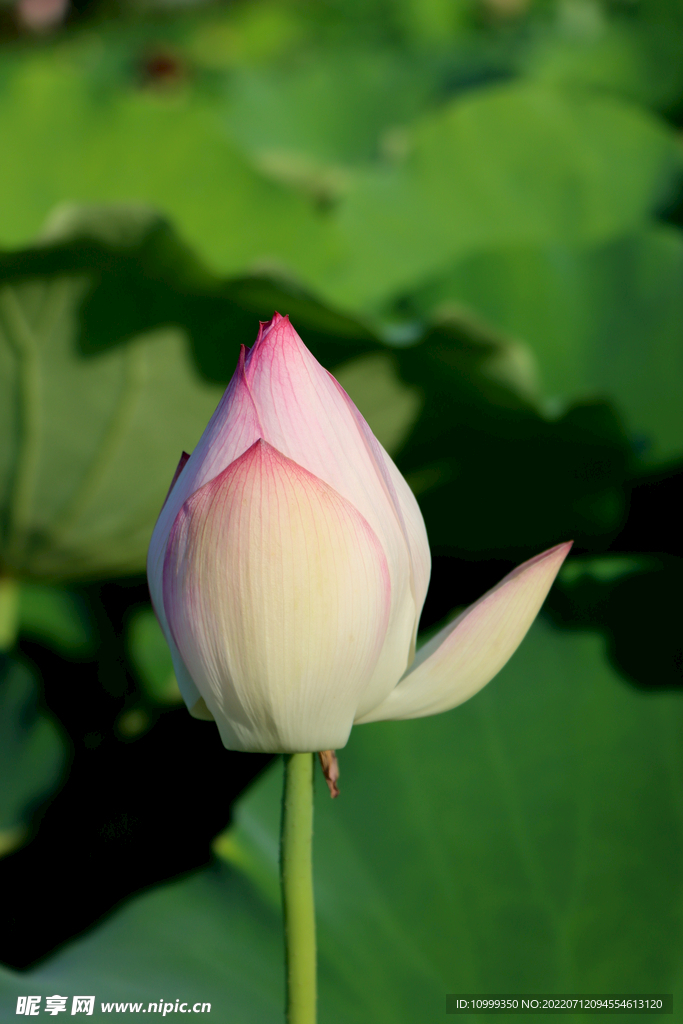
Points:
32	751
513	164
639	58
89	444
604	321
309	124
205	939
530	840
102	138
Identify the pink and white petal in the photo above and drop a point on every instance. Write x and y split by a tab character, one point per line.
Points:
277	594
407	513
232	429
154	564
418	544
308	417
470	651
188	690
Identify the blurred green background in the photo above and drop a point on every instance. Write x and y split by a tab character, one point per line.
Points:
472	212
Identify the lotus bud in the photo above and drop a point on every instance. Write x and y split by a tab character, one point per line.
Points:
290	563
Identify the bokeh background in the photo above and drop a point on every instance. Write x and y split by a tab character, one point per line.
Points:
471	211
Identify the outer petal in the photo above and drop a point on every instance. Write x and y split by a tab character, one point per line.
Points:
410	520
277	595
416	534
189	691
470	651
231	430
307	416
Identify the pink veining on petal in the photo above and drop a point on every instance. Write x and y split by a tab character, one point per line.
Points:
280	393
233	427
203	495
380	457
228	563
472	649
546	557
374	451
266	326
307	416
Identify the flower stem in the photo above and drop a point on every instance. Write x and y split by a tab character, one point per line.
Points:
296	865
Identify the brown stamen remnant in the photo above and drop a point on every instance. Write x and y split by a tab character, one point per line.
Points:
330	767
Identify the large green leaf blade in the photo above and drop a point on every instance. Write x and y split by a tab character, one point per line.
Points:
89	460
311	123
529	840
601	321
509	164
207	939
90	443
110	141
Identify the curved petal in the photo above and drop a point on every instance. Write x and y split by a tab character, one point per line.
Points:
470	651
409	518
277	595
308	416
188	690
416	536
231	430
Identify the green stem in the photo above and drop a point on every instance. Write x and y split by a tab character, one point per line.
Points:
296	864
9	612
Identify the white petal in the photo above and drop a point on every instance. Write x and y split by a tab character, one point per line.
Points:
470	651
277	595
